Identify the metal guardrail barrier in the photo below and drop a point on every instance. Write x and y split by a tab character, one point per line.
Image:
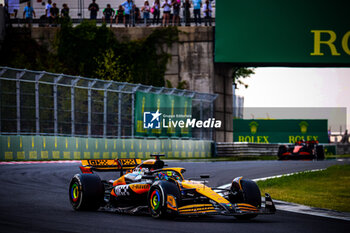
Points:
232	149
43	103
140	22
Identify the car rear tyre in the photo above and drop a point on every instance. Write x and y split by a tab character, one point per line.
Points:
86	192
251	195
281	150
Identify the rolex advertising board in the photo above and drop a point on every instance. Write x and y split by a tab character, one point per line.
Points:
279	131
292	33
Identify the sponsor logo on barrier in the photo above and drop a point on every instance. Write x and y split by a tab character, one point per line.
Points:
254	139
330	42
265	139
303	126
253	127
297	138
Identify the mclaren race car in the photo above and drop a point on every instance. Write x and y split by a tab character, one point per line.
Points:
301	150
151	187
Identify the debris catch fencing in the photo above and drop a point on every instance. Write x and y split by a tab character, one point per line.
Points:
43	103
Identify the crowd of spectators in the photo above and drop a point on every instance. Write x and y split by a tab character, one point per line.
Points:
127	13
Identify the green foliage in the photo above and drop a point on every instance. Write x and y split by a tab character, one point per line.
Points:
78	46
146	59
110	67
94	52
240	73
20	51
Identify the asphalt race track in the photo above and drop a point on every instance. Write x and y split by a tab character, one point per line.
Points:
34	198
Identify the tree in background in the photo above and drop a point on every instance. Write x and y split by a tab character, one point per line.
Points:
94	52
241	73
91	51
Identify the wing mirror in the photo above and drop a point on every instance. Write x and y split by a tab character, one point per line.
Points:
205	176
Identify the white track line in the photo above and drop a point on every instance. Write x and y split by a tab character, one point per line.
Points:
301	209
39	162
289	174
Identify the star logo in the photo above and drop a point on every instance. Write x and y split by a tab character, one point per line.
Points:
151	120
156	116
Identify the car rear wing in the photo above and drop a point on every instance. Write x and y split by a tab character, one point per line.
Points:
121	165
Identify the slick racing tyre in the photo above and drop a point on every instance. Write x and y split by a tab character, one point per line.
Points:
281	150
251	195
86	192
155	200
158	200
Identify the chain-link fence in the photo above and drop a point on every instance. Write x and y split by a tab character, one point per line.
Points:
42	103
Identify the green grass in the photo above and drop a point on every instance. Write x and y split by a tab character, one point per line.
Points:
337	156
328	189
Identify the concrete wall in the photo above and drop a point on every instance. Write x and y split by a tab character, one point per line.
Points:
192	61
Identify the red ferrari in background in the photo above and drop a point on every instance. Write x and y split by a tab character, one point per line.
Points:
301	150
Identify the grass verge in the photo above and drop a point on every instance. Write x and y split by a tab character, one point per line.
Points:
328	189
337	156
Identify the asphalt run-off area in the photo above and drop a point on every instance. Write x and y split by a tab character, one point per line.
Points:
34	198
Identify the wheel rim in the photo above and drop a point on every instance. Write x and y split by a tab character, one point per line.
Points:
155	200
74	192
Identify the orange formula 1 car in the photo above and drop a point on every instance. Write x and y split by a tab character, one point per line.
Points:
301	150
161	191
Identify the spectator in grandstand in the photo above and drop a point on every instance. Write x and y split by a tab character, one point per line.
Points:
7	15
48	12
128	10
54	12
207	9
176	12
345	138
108	14
146	9
166	12
93	8
47	9
13	7
137	15
120	15
197	4
28	14
156	12
187	14
65	11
